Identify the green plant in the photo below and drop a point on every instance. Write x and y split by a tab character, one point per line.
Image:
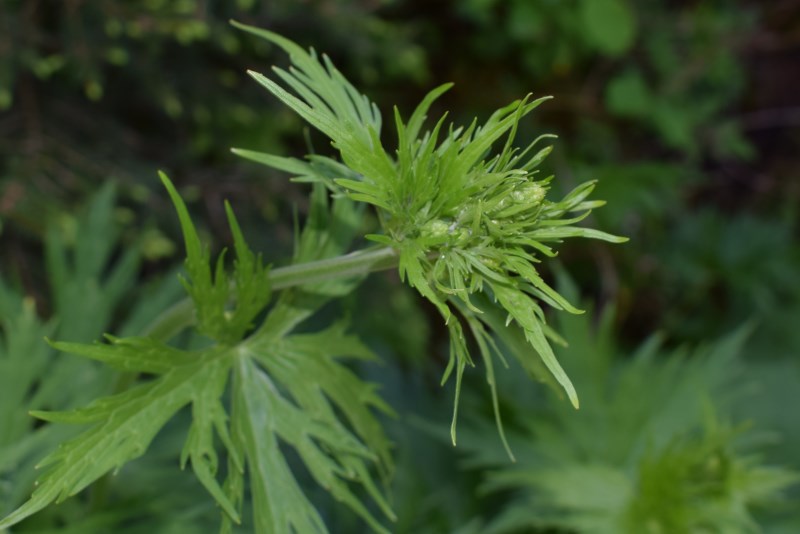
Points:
653	451
461	223
90	283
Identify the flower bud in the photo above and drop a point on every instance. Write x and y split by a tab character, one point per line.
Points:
435	229
529	193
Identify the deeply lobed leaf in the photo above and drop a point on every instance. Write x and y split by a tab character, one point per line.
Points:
213	294
287	390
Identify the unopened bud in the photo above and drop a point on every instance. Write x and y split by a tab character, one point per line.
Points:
530	193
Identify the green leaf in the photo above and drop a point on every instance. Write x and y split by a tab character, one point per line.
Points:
527	314
331	104
123	425
667	459
212	294
86	285
90	282
282	506
288	389
554	234
334	455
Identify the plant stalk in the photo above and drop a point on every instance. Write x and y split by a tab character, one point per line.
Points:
359	263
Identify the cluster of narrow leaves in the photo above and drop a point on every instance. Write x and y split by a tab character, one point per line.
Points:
465	220
251	391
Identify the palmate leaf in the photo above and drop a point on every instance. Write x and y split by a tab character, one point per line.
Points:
123	425
333	454
287	390
211	291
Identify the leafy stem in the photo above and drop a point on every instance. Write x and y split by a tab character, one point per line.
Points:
466	220
465	208
359	263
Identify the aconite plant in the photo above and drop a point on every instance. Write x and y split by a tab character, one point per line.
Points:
464	217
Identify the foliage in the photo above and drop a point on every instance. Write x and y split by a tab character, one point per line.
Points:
681	114
289	387
304	366
89	290
460	221
647	82
666	462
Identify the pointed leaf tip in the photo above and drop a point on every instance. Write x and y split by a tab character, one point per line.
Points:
164	178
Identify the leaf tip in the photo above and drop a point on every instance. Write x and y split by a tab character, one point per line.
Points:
257	76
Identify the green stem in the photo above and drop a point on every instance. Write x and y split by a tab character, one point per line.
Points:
359	263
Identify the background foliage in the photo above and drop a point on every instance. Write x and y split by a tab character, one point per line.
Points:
686	112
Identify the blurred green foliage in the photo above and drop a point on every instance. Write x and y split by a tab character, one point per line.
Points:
685	111
651	451
92	286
